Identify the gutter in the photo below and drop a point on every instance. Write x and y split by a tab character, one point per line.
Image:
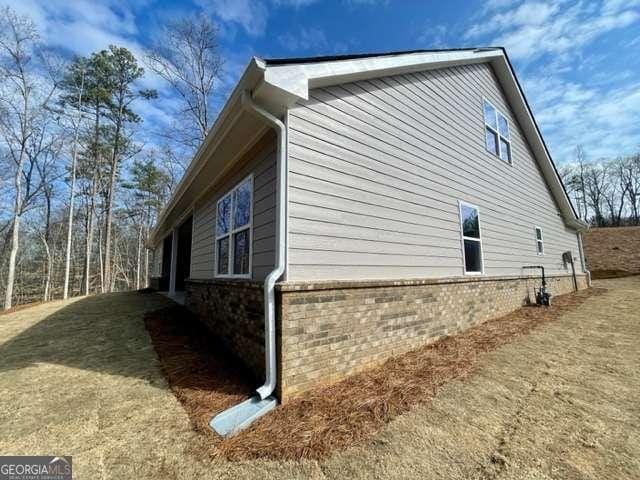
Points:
240	416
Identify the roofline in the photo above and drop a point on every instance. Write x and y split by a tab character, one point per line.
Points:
356	56
280	83
544	144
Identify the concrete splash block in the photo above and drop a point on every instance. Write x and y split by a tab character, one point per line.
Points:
240	416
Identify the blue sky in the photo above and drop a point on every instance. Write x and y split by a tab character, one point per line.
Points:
578	61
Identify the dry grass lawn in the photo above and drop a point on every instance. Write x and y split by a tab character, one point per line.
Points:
81	378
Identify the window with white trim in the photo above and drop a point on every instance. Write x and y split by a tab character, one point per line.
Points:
539	241
496	132
233	231
472	243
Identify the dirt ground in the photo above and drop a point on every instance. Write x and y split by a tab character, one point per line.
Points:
81	378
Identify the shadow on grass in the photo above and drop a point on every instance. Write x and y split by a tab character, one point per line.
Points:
106	334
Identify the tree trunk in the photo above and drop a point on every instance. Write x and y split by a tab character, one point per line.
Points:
101	261
15	237
74	150
139	258
15	231
145	283
89	241
48	266
108	226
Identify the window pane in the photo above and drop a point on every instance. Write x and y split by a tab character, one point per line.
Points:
490	115
242	201
472	256
223	217
505	151
503	126
538	234
492	141
223	255
470	223
241	252
540	247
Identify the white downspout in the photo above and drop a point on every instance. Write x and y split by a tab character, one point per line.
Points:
269	284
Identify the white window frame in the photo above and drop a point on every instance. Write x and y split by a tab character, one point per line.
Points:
463	238
539	251
496	131
233	231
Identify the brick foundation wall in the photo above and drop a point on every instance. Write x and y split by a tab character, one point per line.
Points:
233	311
612	251
333	329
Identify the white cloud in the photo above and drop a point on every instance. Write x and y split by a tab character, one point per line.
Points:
576	97
433	36
304	39
534	29
294	3
250	14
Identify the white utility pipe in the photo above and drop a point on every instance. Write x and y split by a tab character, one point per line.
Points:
281	237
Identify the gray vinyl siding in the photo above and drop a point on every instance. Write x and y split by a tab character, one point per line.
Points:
377	169
263	168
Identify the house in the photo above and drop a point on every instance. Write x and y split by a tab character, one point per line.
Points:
346	209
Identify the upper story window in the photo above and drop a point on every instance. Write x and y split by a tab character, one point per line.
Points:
496	132
472	243
233	231
539	241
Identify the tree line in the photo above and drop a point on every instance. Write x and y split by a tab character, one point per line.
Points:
604	192
82	178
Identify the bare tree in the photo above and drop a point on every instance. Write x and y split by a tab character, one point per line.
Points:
616	191
23	100
596	185
630	175
187	57
74	81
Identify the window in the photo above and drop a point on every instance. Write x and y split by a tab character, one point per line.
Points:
233	231
472	244
539	241
496	132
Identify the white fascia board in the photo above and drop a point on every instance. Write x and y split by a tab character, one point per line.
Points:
298	79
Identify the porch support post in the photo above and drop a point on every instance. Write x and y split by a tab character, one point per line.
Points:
174	261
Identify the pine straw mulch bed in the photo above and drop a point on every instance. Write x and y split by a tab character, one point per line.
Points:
206	381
